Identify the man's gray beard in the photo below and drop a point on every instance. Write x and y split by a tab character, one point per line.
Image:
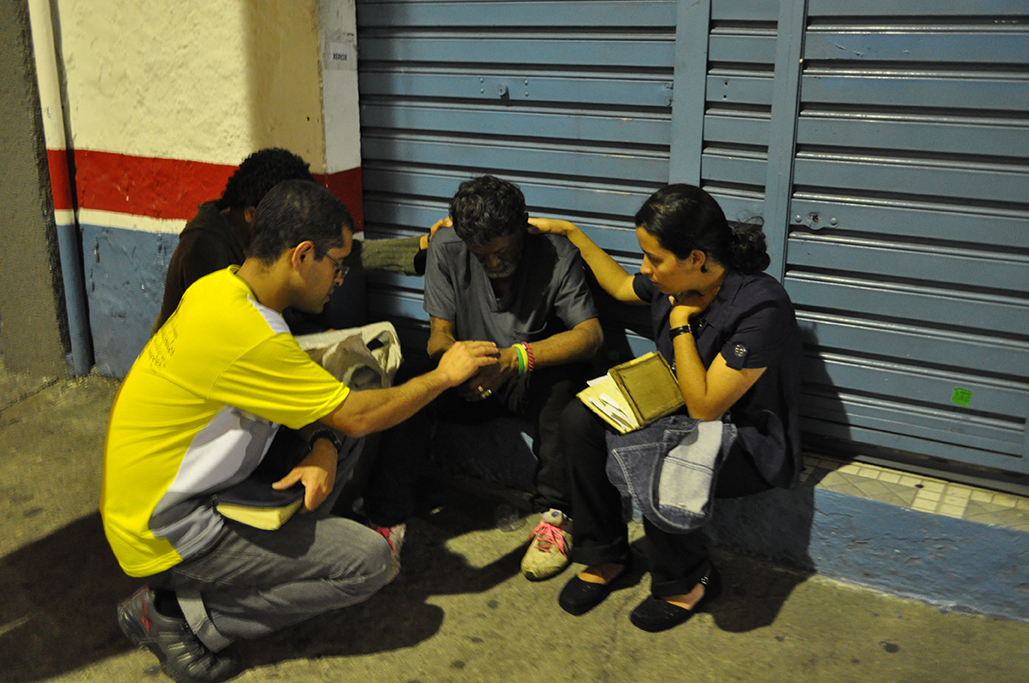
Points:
503	274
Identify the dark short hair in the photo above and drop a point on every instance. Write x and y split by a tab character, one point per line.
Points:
260	172
294	211
486	208
684	217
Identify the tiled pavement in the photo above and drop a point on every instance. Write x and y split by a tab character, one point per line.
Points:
917	492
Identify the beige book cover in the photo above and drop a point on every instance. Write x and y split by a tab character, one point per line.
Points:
635	393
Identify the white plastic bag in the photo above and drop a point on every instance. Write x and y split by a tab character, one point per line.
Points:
361	357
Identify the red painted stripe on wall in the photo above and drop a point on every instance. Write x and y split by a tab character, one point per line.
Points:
144	186
60	181
346	185
173	188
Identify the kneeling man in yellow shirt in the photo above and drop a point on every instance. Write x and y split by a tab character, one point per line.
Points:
198	413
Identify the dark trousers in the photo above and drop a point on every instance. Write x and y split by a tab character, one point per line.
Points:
540	397
677	561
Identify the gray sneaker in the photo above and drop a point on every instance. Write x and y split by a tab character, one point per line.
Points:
183	657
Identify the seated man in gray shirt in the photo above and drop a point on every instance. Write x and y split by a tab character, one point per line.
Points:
488	279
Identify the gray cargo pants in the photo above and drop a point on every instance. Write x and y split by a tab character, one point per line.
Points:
250	582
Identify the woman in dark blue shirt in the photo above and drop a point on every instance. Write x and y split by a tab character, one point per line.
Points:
729	332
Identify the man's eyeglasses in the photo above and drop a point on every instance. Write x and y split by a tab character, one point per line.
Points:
341	270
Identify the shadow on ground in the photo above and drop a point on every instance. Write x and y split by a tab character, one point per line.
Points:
400	615
57	609
754	592
58	601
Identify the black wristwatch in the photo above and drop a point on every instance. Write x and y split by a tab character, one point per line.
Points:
331	436
676	331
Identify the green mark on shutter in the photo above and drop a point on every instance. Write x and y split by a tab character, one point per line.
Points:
963	397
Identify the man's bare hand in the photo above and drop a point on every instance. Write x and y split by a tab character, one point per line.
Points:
490	378
317	472
464	359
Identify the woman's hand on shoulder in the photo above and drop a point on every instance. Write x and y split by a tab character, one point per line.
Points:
551	226
441	223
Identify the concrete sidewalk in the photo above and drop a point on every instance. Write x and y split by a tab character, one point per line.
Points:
460	610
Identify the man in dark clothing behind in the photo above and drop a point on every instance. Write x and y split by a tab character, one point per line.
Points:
219	235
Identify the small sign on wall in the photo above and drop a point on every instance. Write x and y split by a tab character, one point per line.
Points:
341	56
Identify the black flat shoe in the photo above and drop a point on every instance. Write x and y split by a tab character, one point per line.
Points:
655	614
579	597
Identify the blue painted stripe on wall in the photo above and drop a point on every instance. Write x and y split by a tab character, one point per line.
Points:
124	271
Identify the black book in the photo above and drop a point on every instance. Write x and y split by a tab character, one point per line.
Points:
254	502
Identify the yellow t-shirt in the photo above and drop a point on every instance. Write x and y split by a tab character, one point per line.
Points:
196	414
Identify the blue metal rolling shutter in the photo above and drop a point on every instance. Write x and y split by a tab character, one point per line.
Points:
739	88
570	100
883	145
908	251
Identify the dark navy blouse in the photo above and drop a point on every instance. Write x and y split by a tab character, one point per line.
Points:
751	323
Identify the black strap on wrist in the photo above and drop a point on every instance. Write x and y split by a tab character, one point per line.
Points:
331	436
685	329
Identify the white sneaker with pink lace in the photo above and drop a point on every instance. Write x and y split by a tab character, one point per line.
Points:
549	546
394	535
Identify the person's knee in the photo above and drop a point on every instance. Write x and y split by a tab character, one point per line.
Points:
380	576
572	417
579	423
371	572
355	560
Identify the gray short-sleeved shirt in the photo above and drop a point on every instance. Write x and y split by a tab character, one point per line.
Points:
549	293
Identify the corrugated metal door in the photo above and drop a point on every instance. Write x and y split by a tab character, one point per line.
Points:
908	249
570	100
884	146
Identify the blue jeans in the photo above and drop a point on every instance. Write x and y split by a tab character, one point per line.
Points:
677	561
251	582
670	469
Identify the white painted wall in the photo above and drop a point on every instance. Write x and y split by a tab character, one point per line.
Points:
338	22
203	80
164	98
